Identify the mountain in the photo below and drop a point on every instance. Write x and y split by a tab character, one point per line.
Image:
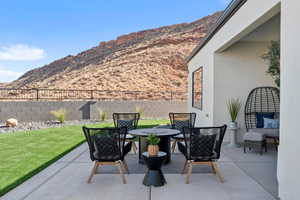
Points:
3	85
149	60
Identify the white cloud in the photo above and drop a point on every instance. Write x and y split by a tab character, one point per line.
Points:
21	52
226	2
8	76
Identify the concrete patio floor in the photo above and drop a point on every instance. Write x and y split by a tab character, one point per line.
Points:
247	176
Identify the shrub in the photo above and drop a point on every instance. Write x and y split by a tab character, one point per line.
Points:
234	106
139	110
273	57
60	115
102	115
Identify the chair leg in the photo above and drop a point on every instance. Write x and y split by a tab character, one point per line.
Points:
124	170
93	172
134	147
217	171
97	169
184	167
212	167
174	146
120	166
189	172
125	166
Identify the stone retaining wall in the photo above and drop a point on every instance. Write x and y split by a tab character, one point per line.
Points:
26	111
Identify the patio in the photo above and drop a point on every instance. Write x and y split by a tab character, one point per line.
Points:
247	176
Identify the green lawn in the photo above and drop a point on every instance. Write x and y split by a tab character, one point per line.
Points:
23	154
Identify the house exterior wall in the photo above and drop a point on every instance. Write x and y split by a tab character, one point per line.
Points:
238	70
289	148
240	25
205	60
253	13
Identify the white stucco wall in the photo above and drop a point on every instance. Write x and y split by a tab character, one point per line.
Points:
243	22
205	116
237	71
289	148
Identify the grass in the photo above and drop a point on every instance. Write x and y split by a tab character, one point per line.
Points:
24	154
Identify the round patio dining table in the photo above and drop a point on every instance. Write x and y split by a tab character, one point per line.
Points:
164	145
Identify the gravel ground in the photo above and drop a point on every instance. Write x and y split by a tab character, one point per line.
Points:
27	126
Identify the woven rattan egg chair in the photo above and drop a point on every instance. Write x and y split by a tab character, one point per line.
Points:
262	100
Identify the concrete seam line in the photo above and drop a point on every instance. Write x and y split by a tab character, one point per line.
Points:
235	163
256	182
150	191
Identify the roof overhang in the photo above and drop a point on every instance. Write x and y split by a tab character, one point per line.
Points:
232	8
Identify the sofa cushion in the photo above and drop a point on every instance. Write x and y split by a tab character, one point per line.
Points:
179	136
269	132
129	137
260	118
253	136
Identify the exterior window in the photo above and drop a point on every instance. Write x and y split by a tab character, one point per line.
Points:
198	88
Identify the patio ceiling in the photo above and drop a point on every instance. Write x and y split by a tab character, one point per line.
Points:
269	31
258	30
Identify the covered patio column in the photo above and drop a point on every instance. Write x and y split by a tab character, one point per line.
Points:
289	149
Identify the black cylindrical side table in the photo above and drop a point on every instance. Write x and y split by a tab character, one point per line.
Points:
154	175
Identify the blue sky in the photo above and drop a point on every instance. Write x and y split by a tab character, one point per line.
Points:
37	32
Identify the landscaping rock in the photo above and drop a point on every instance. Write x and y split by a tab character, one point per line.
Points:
11	122
28	126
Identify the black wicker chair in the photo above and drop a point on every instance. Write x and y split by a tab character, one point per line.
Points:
202	146
107	147
178	121
262	100
129	120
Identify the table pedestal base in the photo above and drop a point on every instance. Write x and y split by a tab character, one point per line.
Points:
155	178
154	175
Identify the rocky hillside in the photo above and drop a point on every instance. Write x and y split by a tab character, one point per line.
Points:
150	60
3	85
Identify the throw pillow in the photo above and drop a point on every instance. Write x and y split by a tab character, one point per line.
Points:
260	118
106	146
271	123
203	145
